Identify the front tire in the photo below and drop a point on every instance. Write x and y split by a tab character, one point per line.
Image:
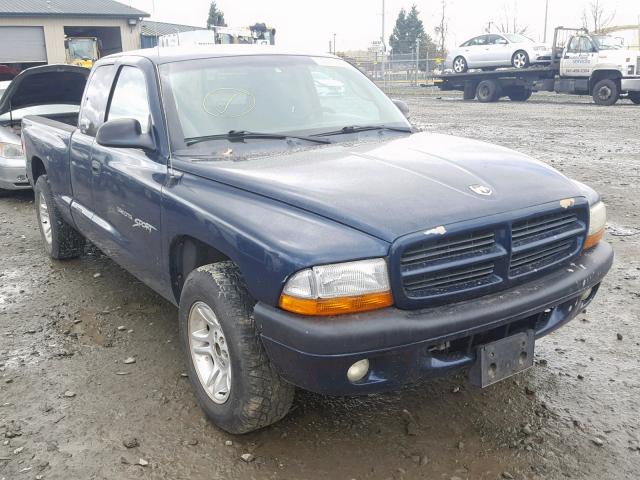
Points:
519	94
520	59
460	65
61	240
218	334
635	97
606	92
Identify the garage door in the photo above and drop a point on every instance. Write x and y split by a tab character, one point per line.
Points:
22	45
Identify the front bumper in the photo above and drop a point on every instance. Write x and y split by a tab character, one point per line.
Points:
404	346
13	174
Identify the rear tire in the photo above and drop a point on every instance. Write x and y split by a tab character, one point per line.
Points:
520	59
519	94
635	97
488	91
253	395
61	240
469	92
460	65
606	92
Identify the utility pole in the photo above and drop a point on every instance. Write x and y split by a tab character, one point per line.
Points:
384	52
330	47
417	59
546	19
334	43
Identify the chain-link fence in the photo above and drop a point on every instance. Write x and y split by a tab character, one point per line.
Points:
400	71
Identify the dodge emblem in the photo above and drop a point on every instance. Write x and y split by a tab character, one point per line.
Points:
481	190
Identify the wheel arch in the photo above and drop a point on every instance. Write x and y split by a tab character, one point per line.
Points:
608	74
187	253
36	169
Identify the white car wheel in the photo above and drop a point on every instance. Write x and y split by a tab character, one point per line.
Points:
520	59
460	65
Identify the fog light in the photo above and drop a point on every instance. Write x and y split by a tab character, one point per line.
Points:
586	294
358	370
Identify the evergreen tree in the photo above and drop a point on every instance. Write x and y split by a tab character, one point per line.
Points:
216	17
408	29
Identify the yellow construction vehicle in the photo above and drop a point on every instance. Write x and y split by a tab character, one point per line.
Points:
82	51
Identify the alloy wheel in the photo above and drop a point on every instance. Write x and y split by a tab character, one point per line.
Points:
520	60
209	352
44	218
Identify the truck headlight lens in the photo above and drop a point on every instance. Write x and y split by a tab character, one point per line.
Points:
597	222
11	150
338	289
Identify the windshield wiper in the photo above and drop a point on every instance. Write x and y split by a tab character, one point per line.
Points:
364	128
239	135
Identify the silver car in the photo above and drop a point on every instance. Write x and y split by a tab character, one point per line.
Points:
53	91
497	50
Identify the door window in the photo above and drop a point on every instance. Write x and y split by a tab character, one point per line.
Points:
497	40
95	101
580	45
129	98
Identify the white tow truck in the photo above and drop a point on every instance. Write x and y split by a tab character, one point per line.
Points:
581	64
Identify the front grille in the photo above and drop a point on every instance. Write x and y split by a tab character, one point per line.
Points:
433	268
541	241
443	280
466	262
471	244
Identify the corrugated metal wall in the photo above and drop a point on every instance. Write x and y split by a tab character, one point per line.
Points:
54	31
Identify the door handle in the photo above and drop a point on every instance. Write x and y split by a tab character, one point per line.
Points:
96	166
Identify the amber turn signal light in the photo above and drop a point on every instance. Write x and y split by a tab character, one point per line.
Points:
593	240
326	307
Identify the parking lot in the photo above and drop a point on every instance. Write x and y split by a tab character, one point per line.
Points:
70	407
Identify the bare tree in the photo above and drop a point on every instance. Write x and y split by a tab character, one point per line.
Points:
441	31
596	15
509	21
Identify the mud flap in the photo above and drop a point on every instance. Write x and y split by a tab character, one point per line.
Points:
503	358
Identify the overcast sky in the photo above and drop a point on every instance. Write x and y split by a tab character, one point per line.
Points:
356	23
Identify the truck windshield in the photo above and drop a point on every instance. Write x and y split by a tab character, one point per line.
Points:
606	42
276	94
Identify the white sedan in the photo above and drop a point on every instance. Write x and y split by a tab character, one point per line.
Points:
497	50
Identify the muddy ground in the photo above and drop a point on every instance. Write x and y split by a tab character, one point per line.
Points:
68	403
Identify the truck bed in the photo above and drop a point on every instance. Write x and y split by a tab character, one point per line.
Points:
456	81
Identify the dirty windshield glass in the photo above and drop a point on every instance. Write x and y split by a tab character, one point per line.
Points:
276	94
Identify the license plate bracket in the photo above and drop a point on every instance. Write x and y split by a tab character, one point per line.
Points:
503	358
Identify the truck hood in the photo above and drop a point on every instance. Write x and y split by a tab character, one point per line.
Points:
397	187
46	85
620	57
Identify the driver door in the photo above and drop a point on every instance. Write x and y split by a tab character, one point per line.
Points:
579	58
128	182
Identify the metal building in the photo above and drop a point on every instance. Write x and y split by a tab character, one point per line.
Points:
34	31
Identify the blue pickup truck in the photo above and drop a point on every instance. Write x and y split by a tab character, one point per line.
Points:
309	235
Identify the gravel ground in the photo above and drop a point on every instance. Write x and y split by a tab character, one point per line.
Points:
70	408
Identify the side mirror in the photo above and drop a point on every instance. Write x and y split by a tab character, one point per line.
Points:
124	133
403	107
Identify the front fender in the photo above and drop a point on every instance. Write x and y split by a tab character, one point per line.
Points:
267	239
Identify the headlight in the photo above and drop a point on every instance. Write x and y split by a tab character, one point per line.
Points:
11	150
338	289
597	222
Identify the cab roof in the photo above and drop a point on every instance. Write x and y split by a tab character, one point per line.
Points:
160	55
